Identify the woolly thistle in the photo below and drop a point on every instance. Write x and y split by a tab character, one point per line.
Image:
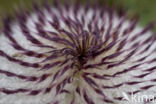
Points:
75	54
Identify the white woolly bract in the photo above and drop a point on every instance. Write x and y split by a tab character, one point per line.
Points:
76	55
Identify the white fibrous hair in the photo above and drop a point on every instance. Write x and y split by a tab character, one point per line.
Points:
76	54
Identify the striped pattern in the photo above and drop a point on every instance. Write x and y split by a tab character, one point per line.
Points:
75	54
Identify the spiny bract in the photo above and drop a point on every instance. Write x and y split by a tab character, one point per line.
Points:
75	54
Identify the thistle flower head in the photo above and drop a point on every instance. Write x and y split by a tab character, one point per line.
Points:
75	54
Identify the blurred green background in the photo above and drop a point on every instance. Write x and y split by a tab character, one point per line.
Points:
146	9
